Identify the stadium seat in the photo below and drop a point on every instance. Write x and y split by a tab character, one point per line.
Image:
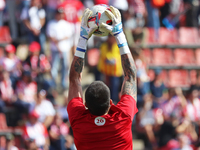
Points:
184	57
197	56
178	78
5	35
3	123
188	36
150	36
193	77
93	56
147	55
167	36
162	57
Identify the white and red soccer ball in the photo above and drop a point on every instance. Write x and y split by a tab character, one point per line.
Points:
99	16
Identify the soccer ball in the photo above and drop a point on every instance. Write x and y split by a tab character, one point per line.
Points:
99	16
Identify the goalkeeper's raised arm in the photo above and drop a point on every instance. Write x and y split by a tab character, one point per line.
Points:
129	86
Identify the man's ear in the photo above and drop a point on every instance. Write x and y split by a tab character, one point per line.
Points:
111	102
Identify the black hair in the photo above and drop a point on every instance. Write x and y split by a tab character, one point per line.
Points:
97	98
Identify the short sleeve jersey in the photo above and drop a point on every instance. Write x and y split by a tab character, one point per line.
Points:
108	132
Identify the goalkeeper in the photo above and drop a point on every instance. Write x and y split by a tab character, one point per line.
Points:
102	125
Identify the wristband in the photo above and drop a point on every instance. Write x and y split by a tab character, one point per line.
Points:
120	38
122	43
81	47
124	50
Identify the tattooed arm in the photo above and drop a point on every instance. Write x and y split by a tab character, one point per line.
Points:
129	86
75	89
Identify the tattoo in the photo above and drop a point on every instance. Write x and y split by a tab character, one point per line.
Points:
129	85
78	65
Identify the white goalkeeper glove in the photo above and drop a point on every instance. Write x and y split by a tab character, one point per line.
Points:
116	29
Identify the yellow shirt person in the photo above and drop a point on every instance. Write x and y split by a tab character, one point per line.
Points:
110	60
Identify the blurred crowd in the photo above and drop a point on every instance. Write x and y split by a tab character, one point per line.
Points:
34	72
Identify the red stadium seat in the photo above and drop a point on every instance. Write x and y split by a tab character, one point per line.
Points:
93	56
184	57
188	35
147	55
179	78
167	36
193	76
197	56
5	35
162	57
3	123
150	34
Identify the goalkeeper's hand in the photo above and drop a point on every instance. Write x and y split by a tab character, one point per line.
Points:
116	26
86	32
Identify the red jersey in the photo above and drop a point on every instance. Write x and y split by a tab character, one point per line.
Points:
107	132
73	10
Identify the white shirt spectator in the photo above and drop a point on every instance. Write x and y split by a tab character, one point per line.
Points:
120	4
60	30
10	65
38	132
33	14
6	89
193	110
44	109
27	90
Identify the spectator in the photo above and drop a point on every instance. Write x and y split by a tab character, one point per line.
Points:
73	10
109	68
158	88
6	91
174	105
38	64
171	18
50	8
36	131
44	108
34	19
12	64
62	109
134	24
31	145
197	83
143	87
147	122
60	45
184	142
188	129
192	13
134	21
26	91
192	109
153	17
58	133
10	142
